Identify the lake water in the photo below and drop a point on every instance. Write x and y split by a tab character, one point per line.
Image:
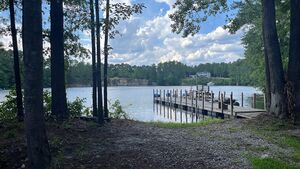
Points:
138	101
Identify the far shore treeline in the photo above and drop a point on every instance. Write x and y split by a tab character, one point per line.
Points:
167	73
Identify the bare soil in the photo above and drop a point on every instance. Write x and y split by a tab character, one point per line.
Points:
131	144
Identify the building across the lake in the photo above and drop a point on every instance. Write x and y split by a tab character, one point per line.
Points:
201	74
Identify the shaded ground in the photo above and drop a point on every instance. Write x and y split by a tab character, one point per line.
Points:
130	144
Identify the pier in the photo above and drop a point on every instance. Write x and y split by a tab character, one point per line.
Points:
204	103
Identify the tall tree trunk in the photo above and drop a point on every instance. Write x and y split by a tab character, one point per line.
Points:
271	44
267	79
58	88
106	59
37	142
20	113
100	108
294	56
94	69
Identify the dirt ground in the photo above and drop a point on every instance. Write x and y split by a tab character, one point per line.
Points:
131	144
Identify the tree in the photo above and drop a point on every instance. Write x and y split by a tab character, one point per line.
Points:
106	58
37	142
274	62
20	113
184	20
294	57
100	105
94	69
58	89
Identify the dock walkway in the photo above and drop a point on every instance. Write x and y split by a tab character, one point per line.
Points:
204	103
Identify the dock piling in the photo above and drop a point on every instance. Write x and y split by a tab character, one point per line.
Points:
231	104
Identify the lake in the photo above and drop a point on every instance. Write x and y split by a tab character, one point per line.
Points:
138	101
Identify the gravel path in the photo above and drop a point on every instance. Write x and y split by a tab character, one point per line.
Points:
129	144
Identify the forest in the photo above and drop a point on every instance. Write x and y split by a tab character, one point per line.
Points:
168	73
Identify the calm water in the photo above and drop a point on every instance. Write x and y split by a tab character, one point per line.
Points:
138	101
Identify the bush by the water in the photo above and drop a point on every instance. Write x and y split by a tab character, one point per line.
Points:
8	108
116	111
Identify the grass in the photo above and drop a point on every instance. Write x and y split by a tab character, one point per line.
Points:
294	143
270	163
277	132
186	125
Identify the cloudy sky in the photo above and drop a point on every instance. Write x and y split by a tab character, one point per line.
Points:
147	39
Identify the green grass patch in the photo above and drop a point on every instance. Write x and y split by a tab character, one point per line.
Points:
293	142
270	163
185	125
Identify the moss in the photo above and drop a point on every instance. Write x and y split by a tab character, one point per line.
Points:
267	163
185	125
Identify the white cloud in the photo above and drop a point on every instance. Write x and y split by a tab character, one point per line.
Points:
148	41
152	41
169	2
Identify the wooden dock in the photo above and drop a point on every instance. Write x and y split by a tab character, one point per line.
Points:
204	103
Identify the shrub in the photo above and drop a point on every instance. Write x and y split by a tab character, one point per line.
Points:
8	108
116	111
77	108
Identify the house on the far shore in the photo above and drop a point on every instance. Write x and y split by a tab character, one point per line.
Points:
201	74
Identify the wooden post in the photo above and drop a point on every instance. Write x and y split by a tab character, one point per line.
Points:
197	105
192	105
186	99
171	103
180	106
160	101
222	108
254	100
242	100
265	100
168	101
153	95
186	106
157	101
203	99
212	104
219	97
175	96
231	104
164	103
224	95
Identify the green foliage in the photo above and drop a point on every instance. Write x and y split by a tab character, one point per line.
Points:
268	163
47	103
77	108
204	122
6	69
189	14
116	111
8	108
167	73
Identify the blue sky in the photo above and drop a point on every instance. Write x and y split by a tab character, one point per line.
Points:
147	39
